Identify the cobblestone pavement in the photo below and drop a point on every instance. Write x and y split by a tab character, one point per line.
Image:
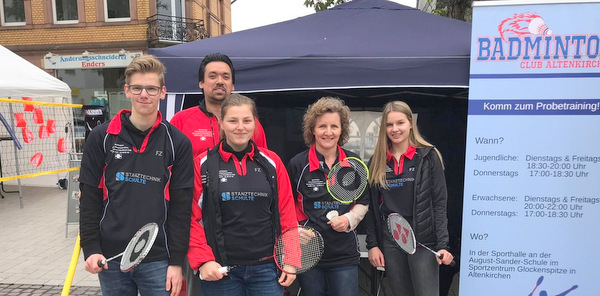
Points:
35	290
36	245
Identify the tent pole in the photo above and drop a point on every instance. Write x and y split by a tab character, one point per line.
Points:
12	116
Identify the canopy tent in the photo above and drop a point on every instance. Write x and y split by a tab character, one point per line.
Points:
21	78
359	44
365	52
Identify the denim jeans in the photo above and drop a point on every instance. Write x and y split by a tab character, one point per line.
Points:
410	275
246	280
332	281
148	278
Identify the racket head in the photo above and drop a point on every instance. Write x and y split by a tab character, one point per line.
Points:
139	246
298	249
402	233
347	179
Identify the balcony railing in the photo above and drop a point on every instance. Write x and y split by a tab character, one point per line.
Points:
171	29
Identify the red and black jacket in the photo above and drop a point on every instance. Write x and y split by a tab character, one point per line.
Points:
135	186
208	227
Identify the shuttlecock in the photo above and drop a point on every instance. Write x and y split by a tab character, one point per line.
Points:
332	215
538	26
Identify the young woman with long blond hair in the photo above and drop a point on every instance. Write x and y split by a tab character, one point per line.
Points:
407	177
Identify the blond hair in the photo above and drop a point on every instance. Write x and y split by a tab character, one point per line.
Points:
378	164
146	64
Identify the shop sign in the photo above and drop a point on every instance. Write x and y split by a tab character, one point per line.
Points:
90	61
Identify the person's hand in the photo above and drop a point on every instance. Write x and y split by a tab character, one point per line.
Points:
174	279
446	259
91	264
209	271
376	257
340	223
286	279
305	235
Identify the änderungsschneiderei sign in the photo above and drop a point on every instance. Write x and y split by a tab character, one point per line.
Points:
532	172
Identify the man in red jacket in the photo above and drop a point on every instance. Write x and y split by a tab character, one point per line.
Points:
200	123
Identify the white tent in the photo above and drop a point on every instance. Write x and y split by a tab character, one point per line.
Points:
20	78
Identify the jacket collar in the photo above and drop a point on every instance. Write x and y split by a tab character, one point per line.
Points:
116	125
314	160
410	153
227	155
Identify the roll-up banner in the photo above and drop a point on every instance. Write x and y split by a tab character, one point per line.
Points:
531	220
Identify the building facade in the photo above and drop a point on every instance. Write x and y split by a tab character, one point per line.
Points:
88	43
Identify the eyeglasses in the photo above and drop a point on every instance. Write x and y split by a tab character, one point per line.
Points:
150	89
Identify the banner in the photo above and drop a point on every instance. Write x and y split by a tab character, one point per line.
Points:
90	60
532	172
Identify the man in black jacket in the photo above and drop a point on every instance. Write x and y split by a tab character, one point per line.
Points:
137	169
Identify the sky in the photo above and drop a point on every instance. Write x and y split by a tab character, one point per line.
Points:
247	14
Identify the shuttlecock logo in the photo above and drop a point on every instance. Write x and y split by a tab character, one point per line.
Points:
538	26
523	24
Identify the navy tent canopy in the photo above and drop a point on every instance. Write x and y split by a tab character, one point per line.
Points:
362	44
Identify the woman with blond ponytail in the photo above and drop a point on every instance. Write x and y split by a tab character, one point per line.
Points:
407	177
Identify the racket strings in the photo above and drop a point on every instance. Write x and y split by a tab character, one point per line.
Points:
402	233
347	180
299	249
139	246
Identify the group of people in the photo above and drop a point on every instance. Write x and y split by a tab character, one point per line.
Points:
221	198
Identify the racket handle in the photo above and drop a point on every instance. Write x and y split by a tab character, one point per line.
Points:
441	256
101	263
222	269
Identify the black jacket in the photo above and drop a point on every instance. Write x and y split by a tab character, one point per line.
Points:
430	222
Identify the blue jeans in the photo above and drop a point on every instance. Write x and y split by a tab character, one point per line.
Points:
148	278
248	280
332	281
410	275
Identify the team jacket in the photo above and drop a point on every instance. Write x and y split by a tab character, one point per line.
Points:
313	201
202	127
136	184
221	181
430	223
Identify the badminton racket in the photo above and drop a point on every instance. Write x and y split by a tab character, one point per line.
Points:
347	180
297	250
138	247
404	236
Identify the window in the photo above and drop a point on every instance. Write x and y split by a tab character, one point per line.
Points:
101	83
13	12
117	10
65	11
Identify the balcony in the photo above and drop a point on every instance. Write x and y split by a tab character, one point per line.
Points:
164	30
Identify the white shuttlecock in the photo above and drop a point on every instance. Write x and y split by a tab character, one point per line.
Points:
538	26
332	215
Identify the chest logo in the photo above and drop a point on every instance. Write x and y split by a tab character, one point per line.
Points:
118	148
224	175
315	184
